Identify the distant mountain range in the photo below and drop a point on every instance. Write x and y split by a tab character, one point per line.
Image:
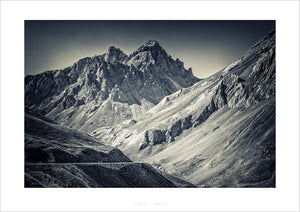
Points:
213	132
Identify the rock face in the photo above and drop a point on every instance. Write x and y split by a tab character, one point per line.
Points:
218	132
107	89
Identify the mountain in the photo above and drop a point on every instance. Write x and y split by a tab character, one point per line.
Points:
220	132
107	89
217	132
57	156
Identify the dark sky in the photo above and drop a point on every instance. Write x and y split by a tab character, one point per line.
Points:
206	46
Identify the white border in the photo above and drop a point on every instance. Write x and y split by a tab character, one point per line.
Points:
16	198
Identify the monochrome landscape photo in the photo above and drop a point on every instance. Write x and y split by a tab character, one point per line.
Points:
161	104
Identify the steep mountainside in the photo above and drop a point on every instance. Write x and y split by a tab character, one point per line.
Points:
218	132
57	156
107	89
49	142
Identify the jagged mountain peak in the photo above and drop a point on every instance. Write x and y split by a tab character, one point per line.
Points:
153	46
150	47
151	43
115	55
114	50
151	56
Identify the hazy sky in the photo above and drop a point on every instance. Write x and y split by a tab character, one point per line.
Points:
206	46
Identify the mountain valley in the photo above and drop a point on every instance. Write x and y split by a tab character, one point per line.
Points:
144	120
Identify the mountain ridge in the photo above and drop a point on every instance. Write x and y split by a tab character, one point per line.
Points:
111	83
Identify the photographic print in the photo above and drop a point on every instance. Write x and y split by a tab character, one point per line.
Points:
160	104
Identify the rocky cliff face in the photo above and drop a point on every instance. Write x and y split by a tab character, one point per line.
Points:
106	89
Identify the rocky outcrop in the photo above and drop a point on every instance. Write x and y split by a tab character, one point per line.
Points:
155	136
